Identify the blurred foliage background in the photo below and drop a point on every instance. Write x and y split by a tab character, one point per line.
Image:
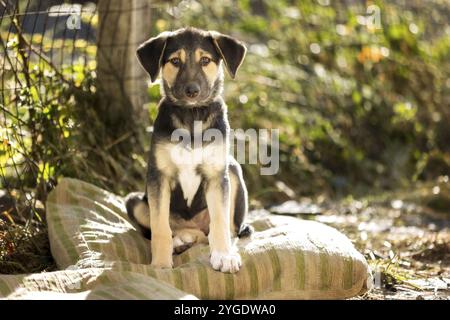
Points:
361	103
361	99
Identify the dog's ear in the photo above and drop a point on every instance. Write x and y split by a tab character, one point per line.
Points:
150	54
231	50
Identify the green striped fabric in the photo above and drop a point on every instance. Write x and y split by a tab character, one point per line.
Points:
93	283
102	256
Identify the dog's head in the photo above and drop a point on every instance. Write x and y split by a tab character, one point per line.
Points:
191	63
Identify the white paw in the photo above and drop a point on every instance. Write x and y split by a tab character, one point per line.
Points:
185	238
177	242
226	262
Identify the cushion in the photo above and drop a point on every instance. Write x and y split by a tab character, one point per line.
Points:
101	255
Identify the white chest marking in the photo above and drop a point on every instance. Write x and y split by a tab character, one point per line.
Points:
187	161
189	181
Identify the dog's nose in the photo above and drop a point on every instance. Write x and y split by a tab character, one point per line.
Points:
192	90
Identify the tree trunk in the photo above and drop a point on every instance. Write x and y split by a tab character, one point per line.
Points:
123	25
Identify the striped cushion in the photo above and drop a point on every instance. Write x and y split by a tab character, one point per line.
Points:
94	243
92	283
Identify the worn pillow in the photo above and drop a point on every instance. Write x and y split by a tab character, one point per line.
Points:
286	258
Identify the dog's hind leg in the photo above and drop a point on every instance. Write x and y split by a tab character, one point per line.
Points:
138	212
239	201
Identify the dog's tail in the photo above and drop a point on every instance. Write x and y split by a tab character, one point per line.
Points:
138	212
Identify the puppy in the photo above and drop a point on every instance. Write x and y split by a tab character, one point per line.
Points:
194	188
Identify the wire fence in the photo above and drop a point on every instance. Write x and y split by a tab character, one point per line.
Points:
68	78
33	54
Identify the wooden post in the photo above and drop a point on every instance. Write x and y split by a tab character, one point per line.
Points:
123	25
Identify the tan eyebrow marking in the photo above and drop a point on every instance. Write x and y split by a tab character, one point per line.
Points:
201	53
181	53
169	71
211	70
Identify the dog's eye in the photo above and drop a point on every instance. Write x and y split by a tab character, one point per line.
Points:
175	61
204	61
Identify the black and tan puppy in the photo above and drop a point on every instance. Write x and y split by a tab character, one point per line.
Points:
193	189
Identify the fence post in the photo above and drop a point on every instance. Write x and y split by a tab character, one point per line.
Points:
122	81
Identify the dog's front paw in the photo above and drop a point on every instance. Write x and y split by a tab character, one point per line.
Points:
226	262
